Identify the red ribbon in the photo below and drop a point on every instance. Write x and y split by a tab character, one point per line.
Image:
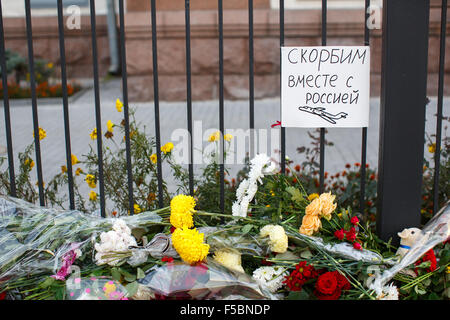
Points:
278	123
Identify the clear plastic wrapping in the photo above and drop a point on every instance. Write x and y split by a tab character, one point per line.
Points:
436	231
236	239
176	280
34	239
343	249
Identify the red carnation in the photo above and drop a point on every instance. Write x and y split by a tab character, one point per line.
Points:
351	235
167	259
339	234
428	256
299	276
354	220
357	246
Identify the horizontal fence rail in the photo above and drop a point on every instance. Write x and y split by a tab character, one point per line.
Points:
252	107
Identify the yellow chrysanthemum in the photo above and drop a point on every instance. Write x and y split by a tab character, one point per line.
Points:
230	259
189	245
119	105
94	134
313	196
137	208
110	126
214	137
228	137
74	159
63	169
154	158
181	211
78	171
29	162
93	195
90	180
49	65
167	147
42	133
278	239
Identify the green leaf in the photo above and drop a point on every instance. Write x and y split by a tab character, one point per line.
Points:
295	193
433	296
298	295
140	273
419	291
132	288
246	229
48	282
115	274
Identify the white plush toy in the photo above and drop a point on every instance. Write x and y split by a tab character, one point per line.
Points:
407	238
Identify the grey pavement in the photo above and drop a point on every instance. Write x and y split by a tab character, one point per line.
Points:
346	149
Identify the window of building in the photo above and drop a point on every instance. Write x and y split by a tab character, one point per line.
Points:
41	4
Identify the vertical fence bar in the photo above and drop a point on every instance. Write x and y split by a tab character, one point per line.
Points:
322	130
98	117
362	201
437	155
221	110
156	101
62	50
12	176
283	129
402	115
34	102
189	95
251	79
125	104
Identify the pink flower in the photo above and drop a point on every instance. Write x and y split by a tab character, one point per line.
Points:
68	260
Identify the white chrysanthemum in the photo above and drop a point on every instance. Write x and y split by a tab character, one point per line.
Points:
117	240
260	165
390	292
270	277
242	189
278	239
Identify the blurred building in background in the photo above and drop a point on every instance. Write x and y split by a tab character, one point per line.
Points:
302	28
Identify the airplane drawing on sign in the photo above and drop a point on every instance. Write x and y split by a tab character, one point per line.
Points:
320	111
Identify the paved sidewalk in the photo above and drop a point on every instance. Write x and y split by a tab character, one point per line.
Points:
346	149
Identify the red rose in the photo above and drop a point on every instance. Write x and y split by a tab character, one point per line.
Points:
3	295
334	296
339	234
354	220
327	283
172	229
343	283
357	246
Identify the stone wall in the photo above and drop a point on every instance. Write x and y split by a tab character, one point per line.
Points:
302	28
46	43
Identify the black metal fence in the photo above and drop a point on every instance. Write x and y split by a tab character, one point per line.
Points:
405	48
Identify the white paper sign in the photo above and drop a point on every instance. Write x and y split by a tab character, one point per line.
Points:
325	86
